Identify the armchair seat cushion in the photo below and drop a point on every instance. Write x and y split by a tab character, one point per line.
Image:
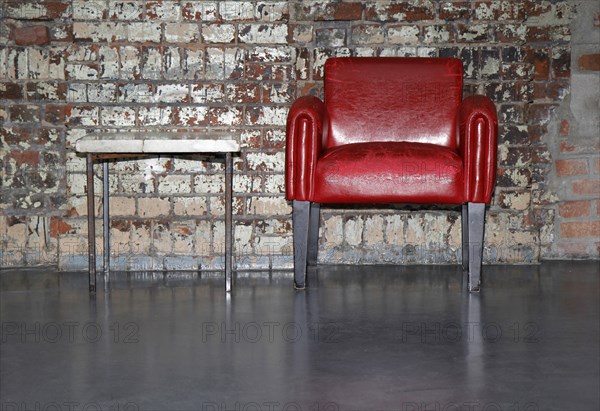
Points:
389	172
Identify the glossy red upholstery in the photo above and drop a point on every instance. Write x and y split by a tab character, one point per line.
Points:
392	130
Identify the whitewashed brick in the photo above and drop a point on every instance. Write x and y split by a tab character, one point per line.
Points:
82	52
109	62
155	116
218	33
222	64
274	116
266	161
272	10
236	10
209	183
164	10
171	93
172	63
174	184
125	10
182	32
136	183
89	9
403	34
84	116
152	69
191	116
199	10
275	184
333	231
190	206
100	32
207	93
143	32
102	93
153	206
135	93
130	63
118	116
38	66
16	68
263	33
82	72
193	64
268	54
353	231
122	206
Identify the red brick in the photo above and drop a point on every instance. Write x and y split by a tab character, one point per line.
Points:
571	167
56	114
597	204
11	91
402	11
580	229
589	187
540	113
24	113
565	127
589	62
30	157
597	166
571	209
33	35
455	11
578	249
58	227
541	62
341	11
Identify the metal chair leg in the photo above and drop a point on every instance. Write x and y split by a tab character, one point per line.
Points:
465	237
476	223
313	233
301	221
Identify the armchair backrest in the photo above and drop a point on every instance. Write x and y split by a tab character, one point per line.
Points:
392	99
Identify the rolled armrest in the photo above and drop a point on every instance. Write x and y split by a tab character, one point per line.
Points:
478	145
303	145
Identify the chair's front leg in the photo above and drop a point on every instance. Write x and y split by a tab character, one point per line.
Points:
300	219
476	222
313	234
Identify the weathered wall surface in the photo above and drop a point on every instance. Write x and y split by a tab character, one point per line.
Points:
576	174
72	67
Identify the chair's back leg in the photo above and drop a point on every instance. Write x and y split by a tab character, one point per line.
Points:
464	221
313	233
300	219
476	222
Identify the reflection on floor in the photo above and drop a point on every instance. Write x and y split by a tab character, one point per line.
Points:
359	338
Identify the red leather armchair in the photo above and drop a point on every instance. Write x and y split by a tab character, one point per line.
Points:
391	130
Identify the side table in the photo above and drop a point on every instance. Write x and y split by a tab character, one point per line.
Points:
104	146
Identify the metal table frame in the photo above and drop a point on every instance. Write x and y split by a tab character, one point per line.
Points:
104	156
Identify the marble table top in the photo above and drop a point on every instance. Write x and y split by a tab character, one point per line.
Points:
155	142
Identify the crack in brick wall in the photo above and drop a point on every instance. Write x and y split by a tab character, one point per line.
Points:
72	67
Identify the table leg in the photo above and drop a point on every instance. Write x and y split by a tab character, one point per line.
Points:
91	224
106	222
228	222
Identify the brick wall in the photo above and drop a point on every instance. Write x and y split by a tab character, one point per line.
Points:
576	174
72	67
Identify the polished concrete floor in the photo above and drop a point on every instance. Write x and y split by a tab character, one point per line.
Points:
360	338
